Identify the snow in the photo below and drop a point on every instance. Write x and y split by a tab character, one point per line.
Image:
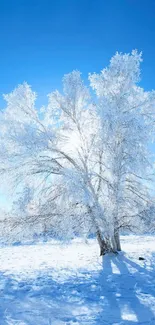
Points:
53	284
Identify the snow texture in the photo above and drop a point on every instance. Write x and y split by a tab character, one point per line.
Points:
53	284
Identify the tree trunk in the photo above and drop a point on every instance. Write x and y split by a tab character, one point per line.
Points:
105	244
117	240
101	243
114	244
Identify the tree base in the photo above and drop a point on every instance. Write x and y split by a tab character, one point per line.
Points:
106	249
102	253
105	245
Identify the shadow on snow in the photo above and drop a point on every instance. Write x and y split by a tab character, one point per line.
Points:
119	294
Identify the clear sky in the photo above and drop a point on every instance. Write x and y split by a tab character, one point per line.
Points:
41	40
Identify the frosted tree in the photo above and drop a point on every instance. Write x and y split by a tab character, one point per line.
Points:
85	159
126	114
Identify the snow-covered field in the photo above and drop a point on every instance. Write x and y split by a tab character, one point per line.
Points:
52	284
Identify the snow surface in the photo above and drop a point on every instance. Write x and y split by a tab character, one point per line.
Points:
53	284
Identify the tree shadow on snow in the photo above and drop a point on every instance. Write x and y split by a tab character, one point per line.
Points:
118	294
126	288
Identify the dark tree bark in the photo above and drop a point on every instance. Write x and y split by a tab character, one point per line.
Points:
117	240
105	245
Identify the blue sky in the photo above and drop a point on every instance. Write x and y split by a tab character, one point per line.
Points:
42	40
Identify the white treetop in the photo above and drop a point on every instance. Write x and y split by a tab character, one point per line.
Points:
82	162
